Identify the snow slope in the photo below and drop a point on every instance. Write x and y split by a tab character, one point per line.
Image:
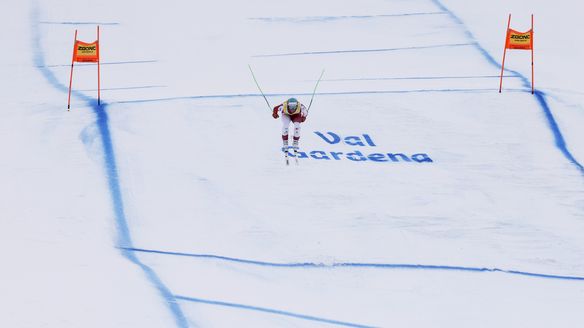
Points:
168	205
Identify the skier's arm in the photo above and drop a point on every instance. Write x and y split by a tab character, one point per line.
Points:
303	112
276	110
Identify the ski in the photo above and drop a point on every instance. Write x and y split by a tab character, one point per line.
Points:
294	154
285	150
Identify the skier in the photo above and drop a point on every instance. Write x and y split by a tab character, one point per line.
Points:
292	111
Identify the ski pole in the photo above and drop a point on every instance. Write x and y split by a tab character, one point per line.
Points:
258	85
314	92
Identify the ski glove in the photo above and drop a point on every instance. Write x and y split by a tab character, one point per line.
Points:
275	113
303	119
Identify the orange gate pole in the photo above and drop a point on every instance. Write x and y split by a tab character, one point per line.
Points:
98	73
532	74
71	77
504	53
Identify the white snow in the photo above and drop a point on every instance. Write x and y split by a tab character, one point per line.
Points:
170	204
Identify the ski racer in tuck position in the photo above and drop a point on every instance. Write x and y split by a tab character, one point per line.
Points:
292	111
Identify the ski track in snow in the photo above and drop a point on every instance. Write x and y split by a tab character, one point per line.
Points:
129	88
100	111
469	77
310	19
78	23
124	240
350	51
106	63
355	265
364	92
272	311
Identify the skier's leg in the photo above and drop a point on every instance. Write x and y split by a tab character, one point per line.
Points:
285	125
296	136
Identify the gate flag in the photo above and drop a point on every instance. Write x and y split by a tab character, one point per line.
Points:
518	41
84	52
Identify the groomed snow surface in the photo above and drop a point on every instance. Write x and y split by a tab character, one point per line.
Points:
423	198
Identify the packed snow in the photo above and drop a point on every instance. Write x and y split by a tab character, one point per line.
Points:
423	197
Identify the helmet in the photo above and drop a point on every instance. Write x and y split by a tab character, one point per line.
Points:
292	103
